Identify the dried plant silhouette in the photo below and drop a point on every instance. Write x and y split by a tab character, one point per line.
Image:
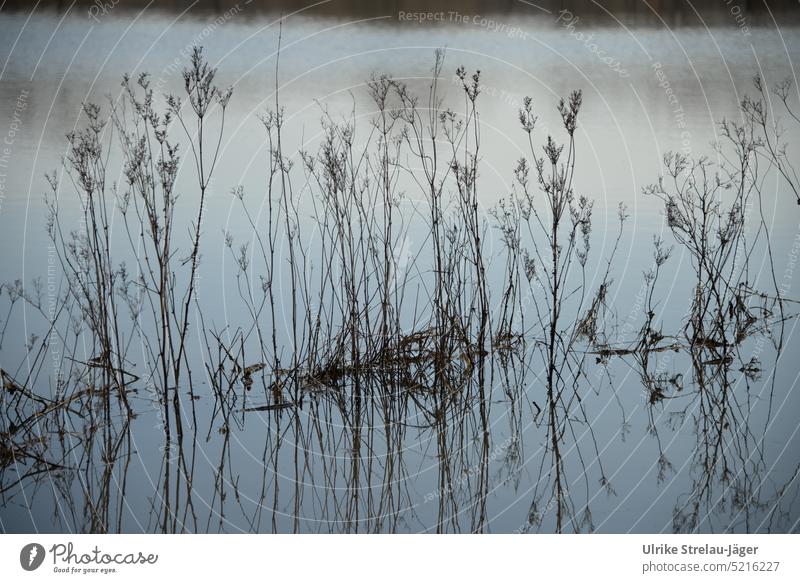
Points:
395	337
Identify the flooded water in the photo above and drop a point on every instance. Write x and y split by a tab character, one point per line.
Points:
371	337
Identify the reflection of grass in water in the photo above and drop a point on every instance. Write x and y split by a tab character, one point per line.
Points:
707	207
346	326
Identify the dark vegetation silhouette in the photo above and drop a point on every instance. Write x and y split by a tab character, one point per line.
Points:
353	349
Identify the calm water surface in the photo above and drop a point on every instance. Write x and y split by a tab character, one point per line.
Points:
317	468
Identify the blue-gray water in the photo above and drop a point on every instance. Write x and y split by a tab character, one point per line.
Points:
667	87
